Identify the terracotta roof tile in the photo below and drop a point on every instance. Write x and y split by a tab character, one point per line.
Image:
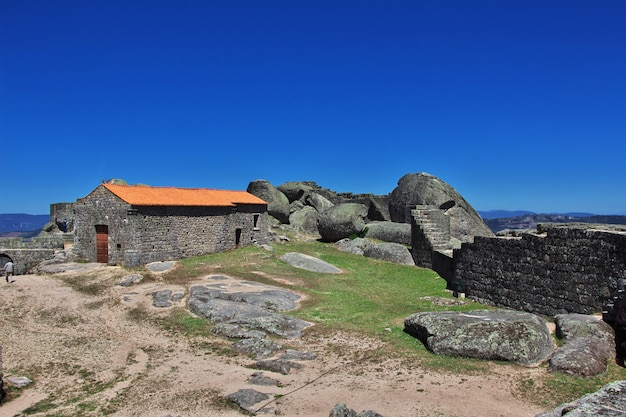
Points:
139	195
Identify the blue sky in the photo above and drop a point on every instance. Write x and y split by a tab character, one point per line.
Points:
516	104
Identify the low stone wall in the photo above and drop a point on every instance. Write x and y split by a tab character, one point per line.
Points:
562	269
28	253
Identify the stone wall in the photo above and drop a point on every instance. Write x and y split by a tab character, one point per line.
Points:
28	253
562	268
62	214
139	235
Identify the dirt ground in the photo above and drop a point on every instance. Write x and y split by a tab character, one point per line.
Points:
88	355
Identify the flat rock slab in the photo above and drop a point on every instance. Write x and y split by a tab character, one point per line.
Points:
309	263
248	305
160	266
247	398
515	336
70	267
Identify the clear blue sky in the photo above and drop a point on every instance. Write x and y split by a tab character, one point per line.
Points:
516	104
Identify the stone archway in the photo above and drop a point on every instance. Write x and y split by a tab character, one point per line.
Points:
4	259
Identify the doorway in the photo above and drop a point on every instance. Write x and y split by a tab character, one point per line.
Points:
237	238
102	244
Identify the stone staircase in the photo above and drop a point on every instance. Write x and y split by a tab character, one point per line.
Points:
435	227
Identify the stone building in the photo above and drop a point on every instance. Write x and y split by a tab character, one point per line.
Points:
134	225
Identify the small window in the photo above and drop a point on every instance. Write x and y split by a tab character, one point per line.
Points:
256	220
119	246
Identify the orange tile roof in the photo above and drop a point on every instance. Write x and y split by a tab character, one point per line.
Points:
139	195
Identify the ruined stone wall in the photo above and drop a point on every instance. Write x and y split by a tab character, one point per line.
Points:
564	269
139	235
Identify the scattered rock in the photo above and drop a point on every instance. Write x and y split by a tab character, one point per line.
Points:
296	355
129	280
162	298
342	410
258	347
162	266
277	365
247	398
258	378
309	263
507	335
608	401
19	381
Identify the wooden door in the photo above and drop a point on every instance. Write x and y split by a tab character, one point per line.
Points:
102	244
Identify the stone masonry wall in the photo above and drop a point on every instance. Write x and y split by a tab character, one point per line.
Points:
139	235
565	269
27	253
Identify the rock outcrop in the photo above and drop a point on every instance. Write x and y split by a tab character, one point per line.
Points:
608	401
588	348
247	305
277	202
341	221
507	335
423	189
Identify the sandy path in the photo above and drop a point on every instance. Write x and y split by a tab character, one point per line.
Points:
87	353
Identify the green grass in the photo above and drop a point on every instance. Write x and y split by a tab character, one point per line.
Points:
373	298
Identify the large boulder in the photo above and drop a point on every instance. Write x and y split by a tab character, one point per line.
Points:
304	219
588	348
318	201
355	246
277	202
341	221
507	335
428	190
295	190
390	232
390	252
608	401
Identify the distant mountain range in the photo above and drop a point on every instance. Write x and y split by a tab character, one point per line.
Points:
22	225
498	220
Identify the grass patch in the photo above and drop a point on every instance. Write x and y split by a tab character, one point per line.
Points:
373	298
